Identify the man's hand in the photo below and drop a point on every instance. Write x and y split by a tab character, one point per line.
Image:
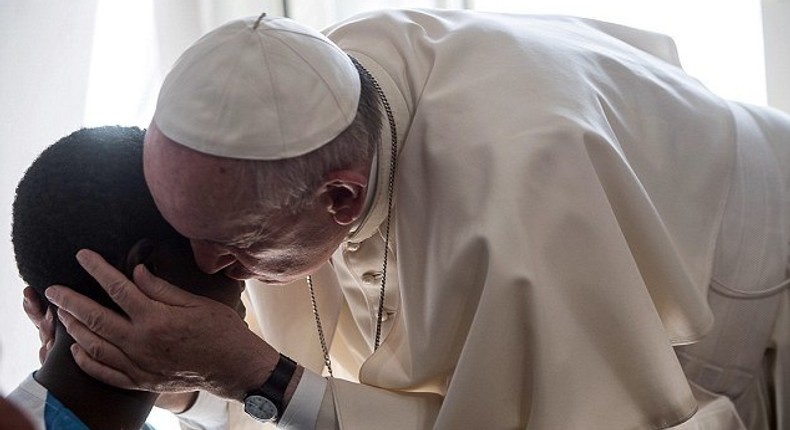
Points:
172	341
41	319
174	402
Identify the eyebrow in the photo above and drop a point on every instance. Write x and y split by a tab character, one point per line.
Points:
246	239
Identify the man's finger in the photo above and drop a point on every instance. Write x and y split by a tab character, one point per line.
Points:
160	290
122	291
43	352
46	328
100	371
97	318
32	306
42	320
46	334
99	350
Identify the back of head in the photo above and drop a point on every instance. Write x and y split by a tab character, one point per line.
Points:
85	191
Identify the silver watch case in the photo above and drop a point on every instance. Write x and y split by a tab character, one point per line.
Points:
260	408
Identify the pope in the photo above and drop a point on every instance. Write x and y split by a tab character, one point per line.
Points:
453	219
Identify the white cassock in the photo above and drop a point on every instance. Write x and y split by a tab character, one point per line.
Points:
565	194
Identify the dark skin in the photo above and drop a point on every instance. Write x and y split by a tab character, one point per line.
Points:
111	407
60	375
12	417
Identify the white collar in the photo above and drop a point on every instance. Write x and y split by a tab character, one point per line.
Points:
375	211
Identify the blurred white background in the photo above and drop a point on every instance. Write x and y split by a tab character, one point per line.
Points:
66	65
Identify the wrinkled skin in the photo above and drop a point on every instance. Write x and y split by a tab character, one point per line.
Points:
174	341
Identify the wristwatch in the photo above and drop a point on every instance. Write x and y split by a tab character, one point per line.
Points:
266	403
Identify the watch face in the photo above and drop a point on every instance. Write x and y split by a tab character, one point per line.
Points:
260	408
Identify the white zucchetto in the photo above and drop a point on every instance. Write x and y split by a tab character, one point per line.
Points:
259	89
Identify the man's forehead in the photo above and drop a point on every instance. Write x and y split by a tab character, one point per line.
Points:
198	194
159	149
229	230
168	161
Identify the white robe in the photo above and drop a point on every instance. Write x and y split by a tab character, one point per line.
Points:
560	189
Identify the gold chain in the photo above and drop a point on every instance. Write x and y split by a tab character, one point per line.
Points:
390	188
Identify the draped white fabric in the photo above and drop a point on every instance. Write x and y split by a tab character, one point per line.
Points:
64	65
720	45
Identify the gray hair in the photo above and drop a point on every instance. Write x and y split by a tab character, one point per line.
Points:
290	184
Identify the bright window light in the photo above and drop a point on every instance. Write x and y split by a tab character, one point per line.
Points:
720	43
124	78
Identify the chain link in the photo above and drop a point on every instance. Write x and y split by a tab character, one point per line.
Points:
390	190
319	327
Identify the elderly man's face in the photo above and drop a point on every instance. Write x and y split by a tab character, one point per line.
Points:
206	199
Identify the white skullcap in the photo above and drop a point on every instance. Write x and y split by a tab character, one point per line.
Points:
264	91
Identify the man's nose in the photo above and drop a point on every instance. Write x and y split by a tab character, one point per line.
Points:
211	258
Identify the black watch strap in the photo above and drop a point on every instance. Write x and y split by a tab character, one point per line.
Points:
274	387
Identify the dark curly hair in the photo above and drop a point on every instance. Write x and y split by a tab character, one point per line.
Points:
85	191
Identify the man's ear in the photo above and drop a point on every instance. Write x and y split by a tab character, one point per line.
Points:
343	194
138	254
